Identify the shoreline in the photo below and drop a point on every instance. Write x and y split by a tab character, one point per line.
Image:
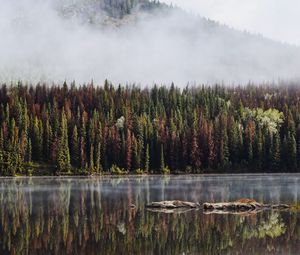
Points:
271	174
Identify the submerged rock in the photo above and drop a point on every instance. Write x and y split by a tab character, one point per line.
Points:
173	204
121	228
232	206
242	205
171	211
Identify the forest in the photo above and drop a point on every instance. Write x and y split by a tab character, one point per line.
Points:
70	129
113	8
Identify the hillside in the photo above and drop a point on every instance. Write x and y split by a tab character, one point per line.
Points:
107	12
133	42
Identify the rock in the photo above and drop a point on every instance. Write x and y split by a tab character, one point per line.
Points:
280	206
240	206
171	211
121	228
173	204
243	213
232	206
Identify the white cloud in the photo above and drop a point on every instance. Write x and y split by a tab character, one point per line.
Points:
276	19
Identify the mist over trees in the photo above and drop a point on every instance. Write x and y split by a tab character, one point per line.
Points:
92	130
111	8
132	42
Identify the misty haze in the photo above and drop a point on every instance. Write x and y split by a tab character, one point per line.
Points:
80	40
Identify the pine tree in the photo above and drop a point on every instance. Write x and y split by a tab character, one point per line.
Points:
2	161
82	144
139	137
298	146
47	140
225	159
233	144
195	151
75	148
98	167
37	140
29	151
249	136
276	154
91	161
128	150
211	147
147	160
91	142
292	152
162	159
63	156
135	157
259	149
15	164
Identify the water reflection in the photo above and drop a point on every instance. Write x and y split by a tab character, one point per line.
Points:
95	216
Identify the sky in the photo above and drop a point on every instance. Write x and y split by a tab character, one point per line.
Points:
276	19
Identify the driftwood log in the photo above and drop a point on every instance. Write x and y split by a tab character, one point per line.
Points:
171	211
236	207
173	204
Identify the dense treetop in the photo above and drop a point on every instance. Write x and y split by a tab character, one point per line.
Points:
126	129
112	8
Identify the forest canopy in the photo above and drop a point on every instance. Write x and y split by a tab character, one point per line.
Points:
70	129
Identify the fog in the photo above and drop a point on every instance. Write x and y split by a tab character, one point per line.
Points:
37	44
277	19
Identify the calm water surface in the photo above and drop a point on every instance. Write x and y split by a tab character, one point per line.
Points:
94	216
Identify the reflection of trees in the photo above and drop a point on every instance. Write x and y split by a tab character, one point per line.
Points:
94	217
272	226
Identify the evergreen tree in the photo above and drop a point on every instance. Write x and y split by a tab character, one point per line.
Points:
276	154
82	144
147	160
63	156
29	151
211	147
162	159
195	151
128	150
292	152
298	146
37	140
91	161
98	167
2	162
259	150
75	148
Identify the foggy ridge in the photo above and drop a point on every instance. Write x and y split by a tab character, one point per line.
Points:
134	41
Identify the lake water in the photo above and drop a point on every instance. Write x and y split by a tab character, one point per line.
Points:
95	216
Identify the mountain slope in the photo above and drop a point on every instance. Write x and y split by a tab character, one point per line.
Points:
132	41
99	12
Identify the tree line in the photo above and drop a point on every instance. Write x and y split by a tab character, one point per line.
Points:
70	129
120	8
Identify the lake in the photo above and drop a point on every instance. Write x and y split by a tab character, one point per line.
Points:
95	215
